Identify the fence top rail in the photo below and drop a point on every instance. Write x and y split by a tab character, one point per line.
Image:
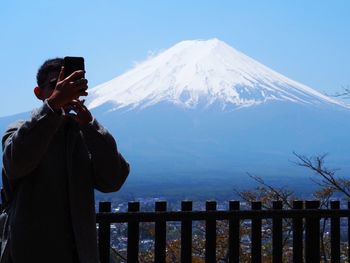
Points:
123	217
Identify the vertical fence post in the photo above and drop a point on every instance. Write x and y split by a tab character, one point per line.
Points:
335	234
297	234
210	235
256	235
160	234
186	234
234	235
312	234
277	234
133	235
104	233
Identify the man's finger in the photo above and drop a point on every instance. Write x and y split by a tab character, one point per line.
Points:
73	104
83	93
84	107
81	81
61	75
81	104
80	84
79	74
78	106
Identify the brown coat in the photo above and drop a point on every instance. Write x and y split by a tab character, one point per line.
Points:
55	165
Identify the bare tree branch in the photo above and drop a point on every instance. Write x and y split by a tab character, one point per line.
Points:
345	94
328	178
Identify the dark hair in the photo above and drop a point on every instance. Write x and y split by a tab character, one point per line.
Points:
49	65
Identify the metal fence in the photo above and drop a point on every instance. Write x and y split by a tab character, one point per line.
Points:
305	219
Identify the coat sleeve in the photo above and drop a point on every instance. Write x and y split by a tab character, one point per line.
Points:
25	143
109	166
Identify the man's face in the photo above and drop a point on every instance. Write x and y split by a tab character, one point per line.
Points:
46	89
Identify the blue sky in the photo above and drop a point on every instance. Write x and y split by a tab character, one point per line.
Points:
307	41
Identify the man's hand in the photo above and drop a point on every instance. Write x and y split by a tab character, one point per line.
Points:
83	115
68	89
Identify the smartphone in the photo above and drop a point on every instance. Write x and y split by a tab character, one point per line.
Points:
72	64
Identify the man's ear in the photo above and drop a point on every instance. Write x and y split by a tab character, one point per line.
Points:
38	92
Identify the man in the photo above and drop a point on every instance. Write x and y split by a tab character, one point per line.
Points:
51	165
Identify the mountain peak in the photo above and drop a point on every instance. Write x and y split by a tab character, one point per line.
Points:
205	44
196	73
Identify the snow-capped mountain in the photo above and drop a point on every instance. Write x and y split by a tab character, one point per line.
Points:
202	73
173	117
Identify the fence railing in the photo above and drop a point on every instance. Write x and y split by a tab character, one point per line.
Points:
305	219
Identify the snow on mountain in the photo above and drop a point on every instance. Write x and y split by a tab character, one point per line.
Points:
201	73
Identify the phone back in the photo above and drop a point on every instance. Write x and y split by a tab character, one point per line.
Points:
72	64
